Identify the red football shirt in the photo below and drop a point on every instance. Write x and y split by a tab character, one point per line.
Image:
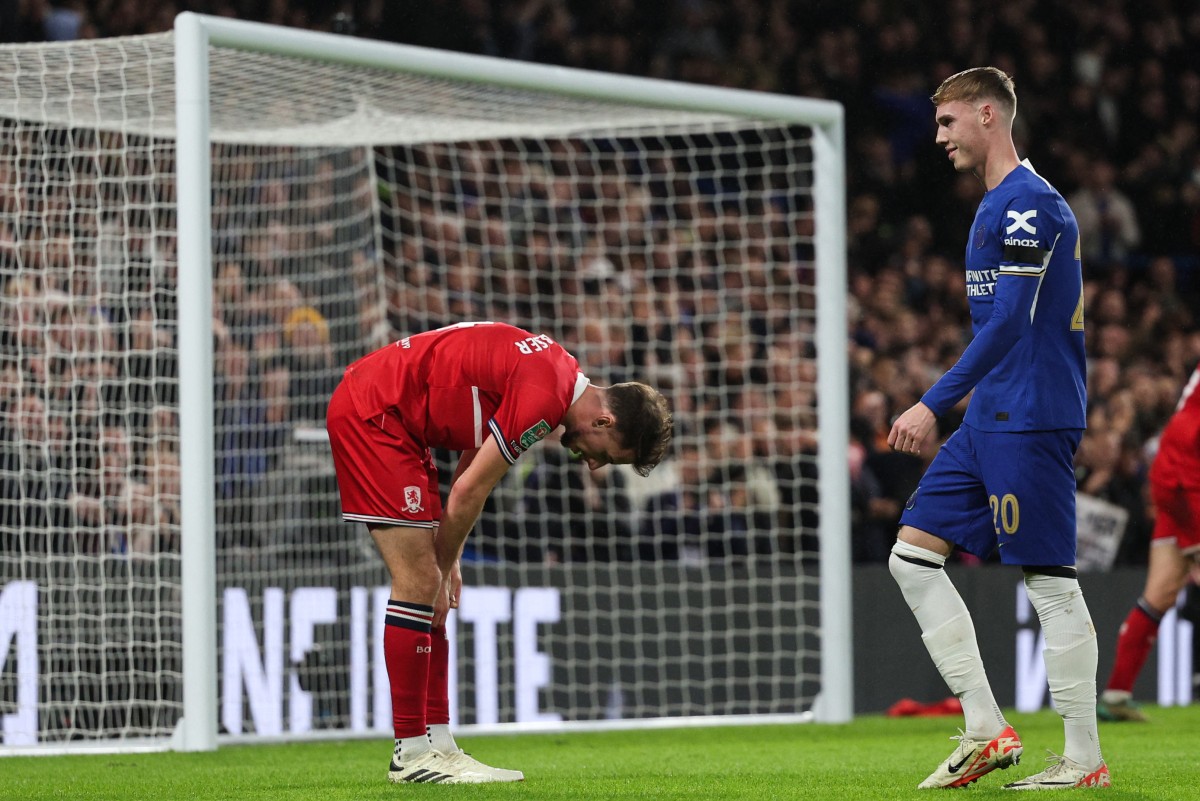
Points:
449	387
1178	459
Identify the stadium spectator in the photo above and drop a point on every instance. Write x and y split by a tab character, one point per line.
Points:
575	514
887	479
231	302
673	519
112	507
308	360
23	20
245	447
1108	224
1008	467
416	303
743	496
604	348
159	456
65	20
34	478
150	363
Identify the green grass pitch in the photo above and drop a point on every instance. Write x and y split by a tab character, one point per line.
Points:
871	758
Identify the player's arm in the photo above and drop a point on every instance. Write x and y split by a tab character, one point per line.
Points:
451	588
1027	243
464	461
1012	317
469	491
1020	276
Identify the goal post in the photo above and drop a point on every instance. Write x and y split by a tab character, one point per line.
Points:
197	729
370	175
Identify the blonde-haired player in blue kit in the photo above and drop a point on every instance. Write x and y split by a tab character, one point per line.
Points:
1006	477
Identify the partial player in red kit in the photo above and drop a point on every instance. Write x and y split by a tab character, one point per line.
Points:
1174	550
491	391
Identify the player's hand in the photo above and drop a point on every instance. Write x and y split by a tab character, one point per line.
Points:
911	428
455	583
441	603
448	595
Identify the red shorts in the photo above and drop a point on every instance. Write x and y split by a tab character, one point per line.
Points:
384	474
1177	515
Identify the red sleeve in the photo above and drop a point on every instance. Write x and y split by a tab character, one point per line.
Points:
535	402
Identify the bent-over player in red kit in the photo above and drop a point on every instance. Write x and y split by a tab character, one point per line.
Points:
491	391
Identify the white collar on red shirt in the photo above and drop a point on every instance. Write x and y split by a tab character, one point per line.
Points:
581	383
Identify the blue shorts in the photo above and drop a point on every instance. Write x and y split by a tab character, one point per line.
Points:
1015	490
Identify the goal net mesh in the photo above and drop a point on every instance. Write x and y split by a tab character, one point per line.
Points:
350	207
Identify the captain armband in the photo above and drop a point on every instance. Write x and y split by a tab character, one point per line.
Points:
1024	254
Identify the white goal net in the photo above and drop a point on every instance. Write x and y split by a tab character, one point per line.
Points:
352	202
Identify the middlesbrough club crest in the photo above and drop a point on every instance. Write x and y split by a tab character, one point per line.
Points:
412	500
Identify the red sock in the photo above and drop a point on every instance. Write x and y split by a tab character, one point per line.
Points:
1134	641
406	650
437	699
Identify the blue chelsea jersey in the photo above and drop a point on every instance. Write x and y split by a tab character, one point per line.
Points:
1026	362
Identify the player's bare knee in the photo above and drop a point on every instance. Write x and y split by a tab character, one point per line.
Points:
923	539
427	583
1179	577
1162	595
418	585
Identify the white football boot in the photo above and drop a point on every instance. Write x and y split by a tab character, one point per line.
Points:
433	768
1064	774
468	763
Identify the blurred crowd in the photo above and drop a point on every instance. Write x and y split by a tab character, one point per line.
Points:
1109	103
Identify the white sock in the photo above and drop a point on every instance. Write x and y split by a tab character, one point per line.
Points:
1071	660
410	747
949	635
441	739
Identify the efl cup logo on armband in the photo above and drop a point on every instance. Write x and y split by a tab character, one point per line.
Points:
412	500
